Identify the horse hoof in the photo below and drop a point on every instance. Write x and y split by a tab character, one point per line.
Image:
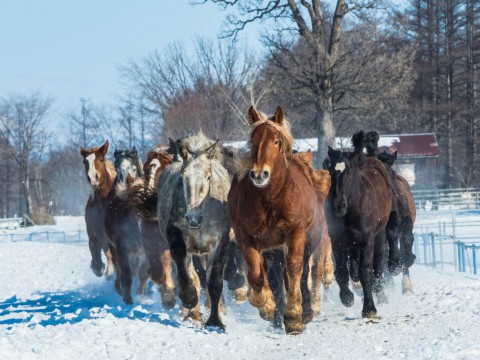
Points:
294	329
266	313
394	267
371	314
189	297
307	316
127	299
409	260
346	296
357	287
98	271
236	282
215	323
168	299
241	294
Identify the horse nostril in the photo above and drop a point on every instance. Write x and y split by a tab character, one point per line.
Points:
252	174
265	174
200	219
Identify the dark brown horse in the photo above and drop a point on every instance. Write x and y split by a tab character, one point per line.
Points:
407	214
156	247
122	224
358	208
273	207
100	174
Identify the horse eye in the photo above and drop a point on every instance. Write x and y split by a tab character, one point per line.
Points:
208	177
276	142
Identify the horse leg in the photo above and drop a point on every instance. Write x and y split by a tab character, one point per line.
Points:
394	261
167	289
406	282
95	245
143	272
275	279
240	279
378	265
406	244
292	317
187	292
341	272
307	312
125	274
194	313
260	294
215	280
110	265
198	263
366	278
354	261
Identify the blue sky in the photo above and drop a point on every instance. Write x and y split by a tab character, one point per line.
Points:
72	49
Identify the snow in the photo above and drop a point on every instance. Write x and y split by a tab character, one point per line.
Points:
53	307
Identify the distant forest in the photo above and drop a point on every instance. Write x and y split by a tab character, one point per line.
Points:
334	67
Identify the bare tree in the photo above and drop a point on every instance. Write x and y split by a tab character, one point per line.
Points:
24	118
321	31
209	90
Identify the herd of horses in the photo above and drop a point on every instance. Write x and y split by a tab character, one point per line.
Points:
261	218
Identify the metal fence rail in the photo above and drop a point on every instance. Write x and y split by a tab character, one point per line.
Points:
48	236
447	199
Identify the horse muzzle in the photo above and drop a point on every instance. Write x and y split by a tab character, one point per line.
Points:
194	221
260	178
340	207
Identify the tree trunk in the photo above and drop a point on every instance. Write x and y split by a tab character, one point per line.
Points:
26	190
325	128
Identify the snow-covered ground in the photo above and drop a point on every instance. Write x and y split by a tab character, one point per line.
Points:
53	307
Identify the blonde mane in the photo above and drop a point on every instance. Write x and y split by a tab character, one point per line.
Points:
243	161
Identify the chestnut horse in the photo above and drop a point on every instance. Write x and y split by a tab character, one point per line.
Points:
100	174
122	224
144	190
407	214
357	209
273	207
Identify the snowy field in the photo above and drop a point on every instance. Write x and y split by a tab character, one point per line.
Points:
53	307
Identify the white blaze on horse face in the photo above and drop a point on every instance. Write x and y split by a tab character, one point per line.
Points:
127	167
196	185
340	166
155	165
92	172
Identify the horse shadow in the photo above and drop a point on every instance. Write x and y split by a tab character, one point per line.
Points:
73	306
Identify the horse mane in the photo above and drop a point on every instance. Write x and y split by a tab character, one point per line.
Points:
112	174
243	161
320	178
371	142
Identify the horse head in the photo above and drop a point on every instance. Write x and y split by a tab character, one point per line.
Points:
197	153
387	159
340	173
96	164
270	144
157	159
127	165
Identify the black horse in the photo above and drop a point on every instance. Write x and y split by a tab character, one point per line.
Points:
358	209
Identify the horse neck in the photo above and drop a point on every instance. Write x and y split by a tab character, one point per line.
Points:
102	191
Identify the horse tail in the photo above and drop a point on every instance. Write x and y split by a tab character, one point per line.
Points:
144	199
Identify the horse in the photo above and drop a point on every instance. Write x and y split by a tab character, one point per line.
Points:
122	227
357	209
407	214
144	189
272	208
100	175
193	217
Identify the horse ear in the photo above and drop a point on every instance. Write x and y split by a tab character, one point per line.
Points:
394	156
116	153
83	151
211	149
332	154
278	116
105	148
252	115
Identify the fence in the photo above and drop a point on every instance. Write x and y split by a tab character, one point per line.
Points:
446	250
49	236
447	199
